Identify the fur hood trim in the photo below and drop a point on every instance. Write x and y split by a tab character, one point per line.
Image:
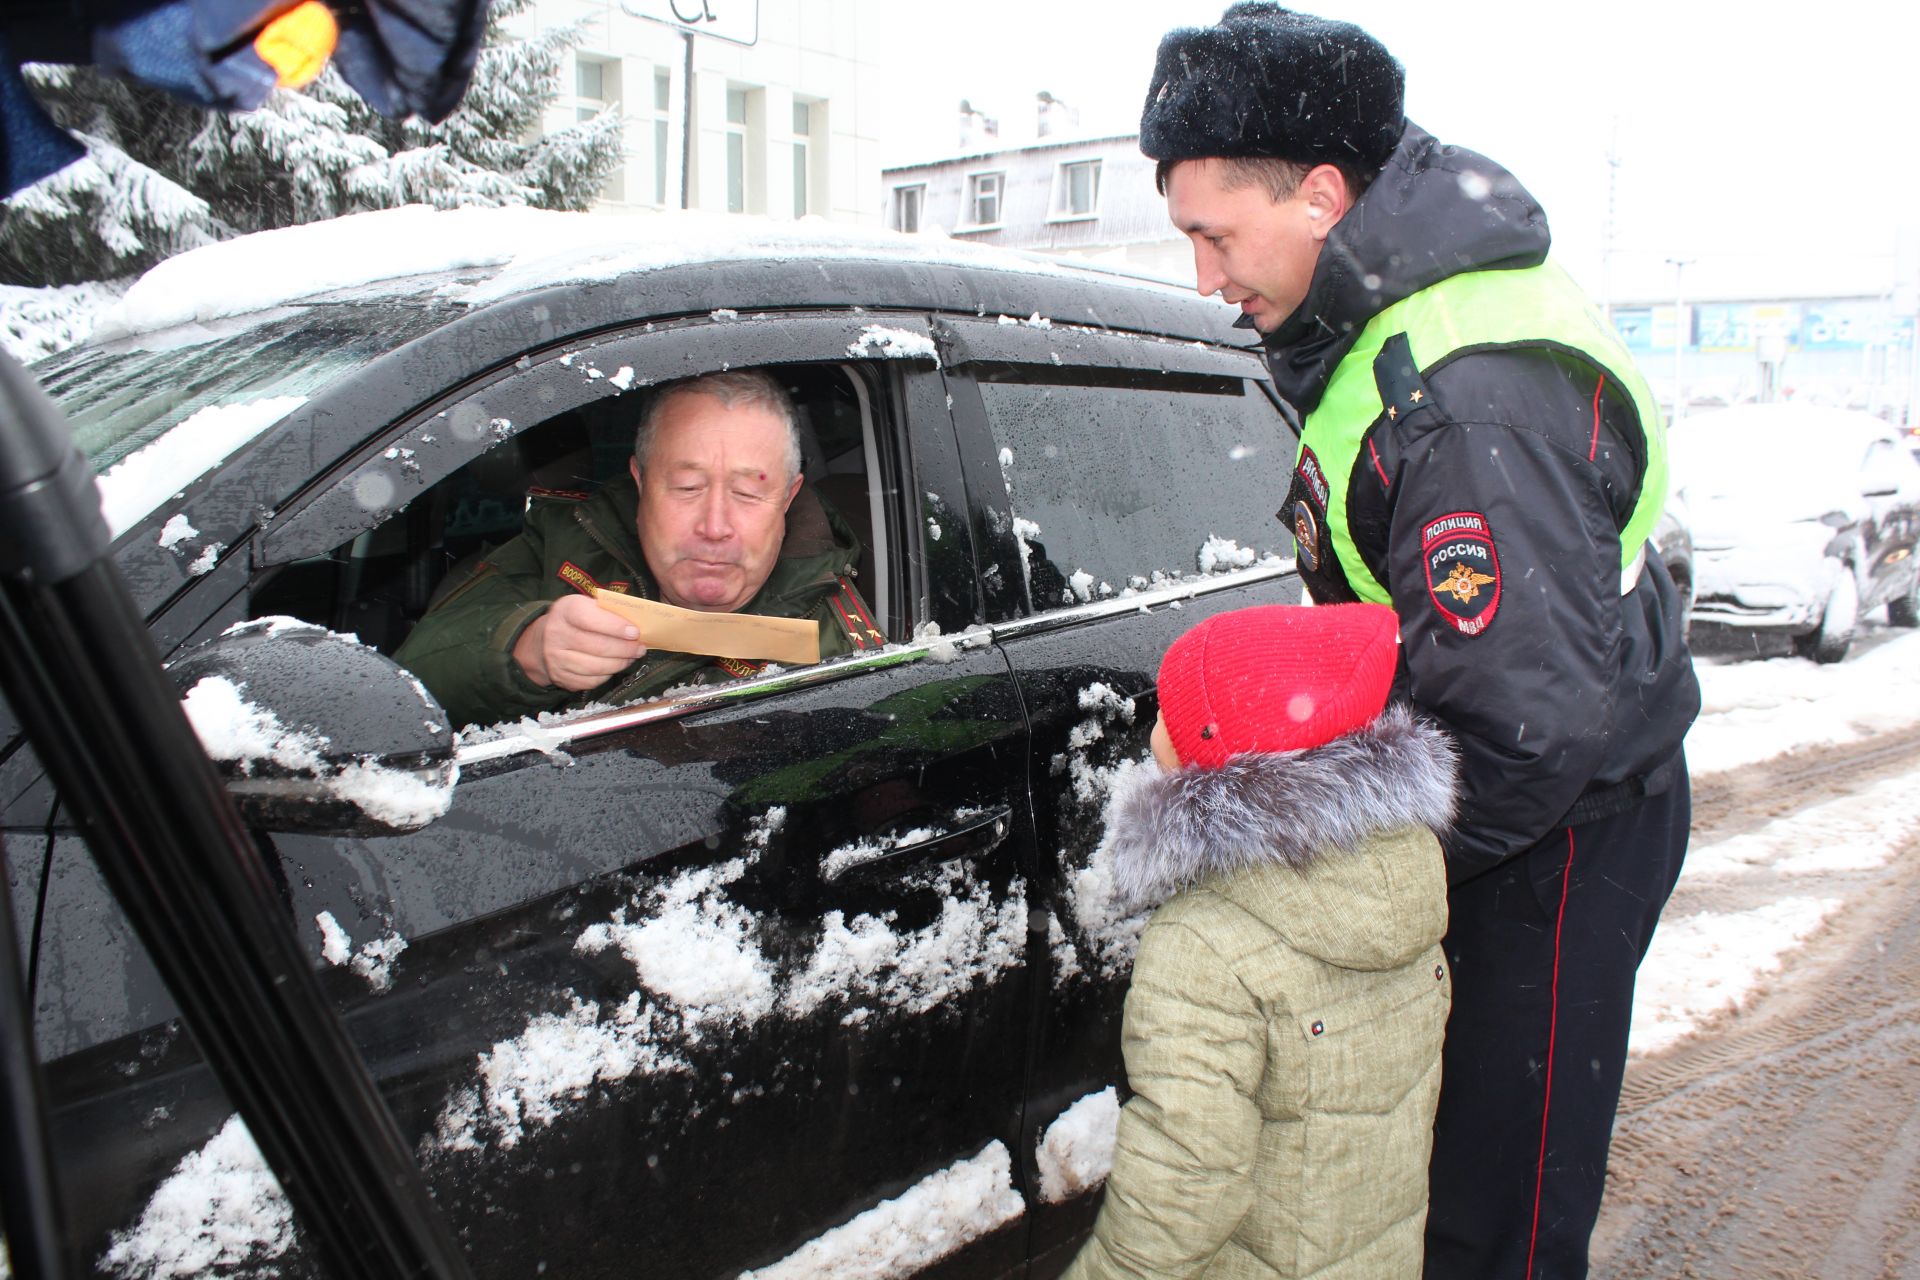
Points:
1288	808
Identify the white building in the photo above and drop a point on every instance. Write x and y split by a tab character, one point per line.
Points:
744	106
1084	196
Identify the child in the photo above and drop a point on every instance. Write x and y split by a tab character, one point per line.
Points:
1283	1028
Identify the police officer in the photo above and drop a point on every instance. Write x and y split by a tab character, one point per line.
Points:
1479	452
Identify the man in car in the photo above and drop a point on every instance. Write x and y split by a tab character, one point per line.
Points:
1479	452
712	517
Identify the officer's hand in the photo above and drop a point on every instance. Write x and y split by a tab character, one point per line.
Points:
576	645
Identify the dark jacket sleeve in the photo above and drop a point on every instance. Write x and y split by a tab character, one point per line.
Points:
463	649
1529	698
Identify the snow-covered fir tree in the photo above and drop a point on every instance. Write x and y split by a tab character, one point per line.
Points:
161	176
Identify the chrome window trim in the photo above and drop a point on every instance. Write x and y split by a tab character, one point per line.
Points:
526	736
1170	594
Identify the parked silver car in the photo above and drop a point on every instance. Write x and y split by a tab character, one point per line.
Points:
1804	518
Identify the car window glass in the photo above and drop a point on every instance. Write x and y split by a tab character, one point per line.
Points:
120	397
1121	479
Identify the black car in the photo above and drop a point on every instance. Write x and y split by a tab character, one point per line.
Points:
698	986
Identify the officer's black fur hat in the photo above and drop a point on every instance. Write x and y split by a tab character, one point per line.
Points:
1268	82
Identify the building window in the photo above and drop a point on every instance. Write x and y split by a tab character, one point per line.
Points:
596	88
983	198
590	86
1076	189
736	150
662	109
907	202
802	132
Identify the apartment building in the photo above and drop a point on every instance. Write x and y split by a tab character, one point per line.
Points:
1087	196
740	106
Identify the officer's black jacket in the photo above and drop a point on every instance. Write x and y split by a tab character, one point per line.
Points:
1573	701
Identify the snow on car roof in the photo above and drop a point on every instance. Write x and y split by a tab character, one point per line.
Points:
521	249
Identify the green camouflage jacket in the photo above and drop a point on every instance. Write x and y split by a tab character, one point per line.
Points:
463	648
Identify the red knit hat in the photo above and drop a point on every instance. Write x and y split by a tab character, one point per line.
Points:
1276	678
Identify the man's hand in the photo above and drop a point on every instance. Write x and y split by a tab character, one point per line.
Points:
576	645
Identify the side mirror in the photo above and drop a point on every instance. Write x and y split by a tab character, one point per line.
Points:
317	733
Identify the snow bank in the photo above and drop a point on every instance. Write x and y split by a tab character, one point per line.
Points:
1755	710
148	477
220	1207
1712	963
1076	1153
909	1233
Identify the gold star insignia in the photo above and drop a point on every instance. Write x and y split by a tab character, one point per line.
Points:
1417	395
1393	411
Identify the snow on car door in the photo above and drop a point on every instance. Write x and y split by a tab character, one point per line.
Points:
1127	488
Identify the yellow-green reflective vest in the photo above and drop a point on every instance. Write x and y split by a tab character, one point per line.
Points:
1480	310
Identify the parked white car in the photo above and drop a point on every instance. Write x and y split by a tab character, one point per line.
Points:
1804	518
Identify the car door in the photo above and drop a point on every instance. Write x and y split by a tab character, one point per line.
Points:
1123	488
681	988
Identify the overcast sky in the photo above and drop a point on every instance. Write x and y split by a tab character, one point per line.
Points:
1753	142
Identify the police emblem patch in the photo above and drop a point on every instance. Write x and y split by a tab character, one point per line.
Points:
1463	570
1306	536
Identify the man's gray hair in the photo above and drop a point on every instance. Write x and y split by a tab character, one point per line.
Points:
734	389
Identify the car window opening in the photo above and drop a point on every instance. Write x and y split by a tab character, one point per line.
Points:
379	584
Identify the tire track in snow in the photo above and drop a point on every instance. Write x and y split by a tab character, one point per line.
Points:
1786	1139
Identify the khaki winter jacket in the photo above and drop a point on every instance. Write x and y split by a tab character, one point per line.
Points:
463	649
1283	1028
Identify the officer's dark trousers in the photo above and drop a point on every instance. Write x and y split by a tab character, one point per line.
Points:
1544	950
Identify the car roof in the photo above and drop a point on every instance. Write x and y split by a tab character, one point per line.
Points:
1780	420
470	260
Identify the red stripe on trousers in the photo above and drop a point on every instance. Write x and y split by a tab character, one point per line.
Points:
1553	1024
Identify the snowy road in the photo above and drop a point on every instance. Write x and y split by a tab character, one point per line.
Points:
1770	1124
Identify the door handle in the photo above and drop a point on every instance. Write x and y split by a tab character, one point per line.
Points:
980	834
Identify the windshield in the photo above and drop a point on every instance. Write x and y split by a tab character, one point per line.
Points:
122	396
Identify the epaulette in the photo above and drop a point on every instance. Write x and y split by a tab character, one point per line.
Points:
540	493
1402	392
859	625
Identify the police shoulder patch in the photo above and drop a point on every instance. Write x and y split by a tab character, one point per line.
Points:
1463	569
1306	535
